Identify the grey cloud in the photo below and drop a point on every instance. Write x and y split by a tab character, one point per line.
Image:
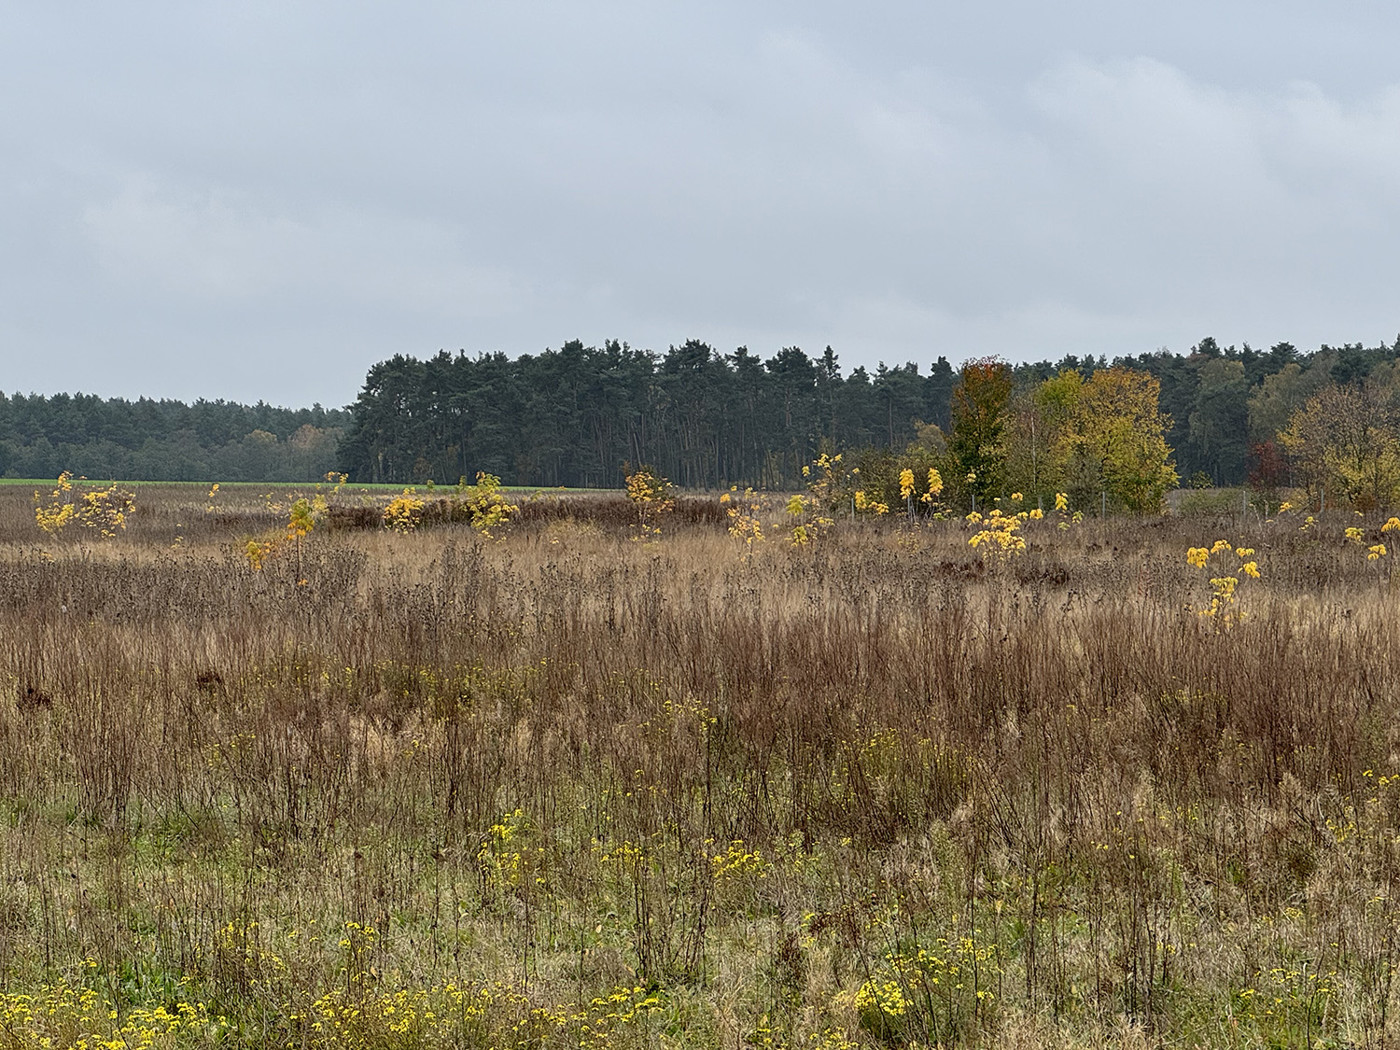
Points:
261	200
222	248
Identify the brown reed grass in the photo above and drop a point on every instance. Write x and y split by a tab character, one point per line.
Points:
873	791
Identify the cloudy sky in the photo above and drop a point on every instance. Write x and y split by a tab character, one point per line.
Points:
259	200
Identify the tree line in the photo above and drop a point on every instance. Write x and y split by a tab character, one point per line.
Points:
1325	421
166	440
577	415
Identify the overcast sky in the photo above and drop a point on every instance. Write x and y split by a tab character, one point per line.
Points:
259	200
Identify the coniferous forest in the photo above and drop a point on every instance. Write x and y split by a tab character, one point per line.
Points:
578	415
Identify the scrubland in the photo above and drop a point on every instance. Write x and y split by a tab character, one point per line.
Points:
558	788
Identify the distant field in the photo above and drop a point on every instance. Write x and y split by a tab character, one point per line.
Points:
40	483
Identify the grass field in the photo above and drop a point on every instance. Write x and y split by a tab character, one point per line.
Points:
559	788
271	487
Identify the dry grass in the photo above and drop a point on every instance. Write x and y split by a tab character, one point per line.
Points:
566	789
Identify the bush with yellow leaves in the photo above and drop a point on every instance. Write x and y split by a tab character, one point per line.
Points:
490	510
404	512
105	511
303	515
651	496
810	521
1000	538
743	511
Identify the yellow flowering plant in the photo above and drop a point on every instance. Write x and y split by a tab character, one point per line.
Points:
943	983
1222	607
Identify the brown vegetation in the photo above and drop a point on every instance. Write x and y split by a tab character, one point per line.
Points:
567	789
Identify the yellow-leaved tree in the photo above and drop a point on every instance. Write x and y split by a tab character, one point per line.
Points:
651	495
1114	440
1344	444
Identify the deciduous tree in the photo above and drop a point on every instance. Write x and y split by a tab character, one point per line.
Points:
1345	445
979	417
1115	440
